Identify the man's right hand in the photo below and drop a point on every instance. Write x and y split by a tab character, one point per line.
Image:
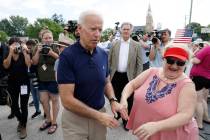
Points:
108	120
157	44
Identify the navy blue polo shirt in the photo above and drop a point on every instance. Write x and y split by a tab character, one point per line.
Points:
87	71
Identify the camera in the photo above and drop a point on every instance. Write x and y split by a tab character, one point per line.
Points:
156	35
35	82
138	34
34	79
72	26
117	26
45	49
18	48
4	81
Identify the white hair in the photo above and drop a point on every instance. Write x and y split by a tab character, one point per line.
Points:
127	23
84	14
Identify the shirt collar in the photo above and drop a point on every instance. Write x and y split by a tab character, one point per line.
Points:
85	50
128	41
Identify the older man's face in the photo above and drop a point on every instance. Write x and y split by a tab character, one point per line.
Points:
126	31
90	31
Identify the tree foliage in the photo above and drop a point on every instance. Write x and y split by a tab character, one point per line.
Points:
34	29
197	29
6	27
105	34
14	26
19	24
3	36
58	19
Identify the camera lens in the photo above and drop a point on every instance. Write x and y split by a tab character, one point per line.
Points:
18	48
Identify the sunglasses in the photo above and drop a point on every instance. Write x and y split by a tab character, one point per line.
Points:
171	61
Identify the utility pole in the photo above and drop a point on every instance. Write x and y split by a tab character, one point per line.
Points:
185	19
190	11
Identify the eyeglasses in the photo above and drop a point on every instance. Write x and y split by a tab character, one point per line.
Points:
171	61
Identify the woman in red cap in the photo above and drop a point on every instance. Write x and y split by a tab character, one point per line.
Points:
164	100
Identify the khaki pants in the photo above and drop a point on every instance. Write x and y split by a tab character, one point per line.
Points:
76	127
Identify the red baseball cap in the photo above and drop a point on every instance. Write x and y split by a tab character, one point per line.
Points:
176	52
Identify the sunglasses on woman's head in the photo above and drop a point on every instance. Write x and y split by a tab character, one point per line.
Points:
171	61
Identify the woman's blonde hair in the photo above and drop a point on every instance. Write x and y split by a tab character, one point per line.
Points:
44	31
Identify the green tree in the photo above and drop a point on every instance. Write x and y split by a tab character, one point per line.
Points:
19	24
208	33
33	29
205	36
196	27
58	19
105	34
6	27
3	36
15	25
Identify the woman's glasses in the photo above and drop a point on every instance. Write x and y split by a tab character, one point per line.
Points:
171	61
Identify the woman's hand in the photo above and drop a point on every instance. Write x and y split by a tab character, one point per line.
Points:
50	53
146	130
24	47
116	107
124	110
53	54
12	47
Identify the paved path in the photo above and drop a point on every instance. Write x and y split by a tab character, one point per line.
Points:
8	128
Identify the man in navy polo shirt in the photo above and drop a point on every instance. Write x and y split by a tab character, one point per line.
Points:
83	80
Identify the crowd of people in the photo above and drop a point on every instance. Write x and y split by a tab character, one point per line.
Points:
159	89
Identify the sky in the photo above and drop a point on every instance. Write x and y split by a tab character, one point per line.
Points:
172	14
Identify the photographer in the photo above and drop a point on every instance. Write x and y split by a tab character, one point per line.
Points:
65	35
33	80
3	72
145	47
44	57
159	40
71	28
17	61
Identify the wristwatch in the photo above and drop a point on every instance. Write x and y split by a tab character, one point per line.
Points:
113	99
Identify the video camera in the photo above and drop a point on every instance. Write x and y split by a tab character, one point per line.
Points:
138	34
72	26
156	35
117	26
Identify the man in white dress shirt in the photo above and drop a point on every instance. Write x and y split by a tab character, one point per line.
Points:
125	62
